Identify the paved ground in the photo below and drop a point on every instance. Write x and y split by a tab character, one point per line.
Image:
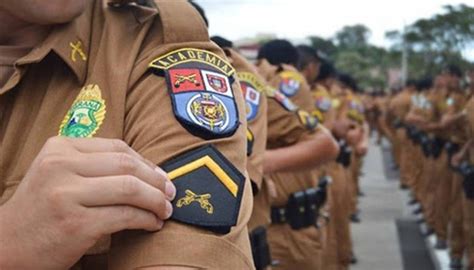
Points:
378	242
376	239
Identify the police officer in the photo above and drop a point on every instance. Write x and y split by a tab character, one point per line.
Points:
294	242
254	89
97	103
336	253
399	107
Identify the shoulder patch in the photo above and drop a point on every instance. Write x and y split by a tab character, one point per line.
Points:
86	114
283	100
208	189
307	120
252	87
200	86
290	83
322	102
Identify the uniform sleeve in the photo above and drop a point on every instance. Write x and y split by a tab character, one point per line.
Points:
152	129
284	128
258	129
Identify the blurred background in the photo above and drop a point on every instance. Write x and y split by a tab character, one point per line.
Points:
379	42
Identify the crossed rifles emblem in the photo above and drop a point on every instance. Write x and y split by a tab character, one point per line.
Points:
203	201
76	49
183	78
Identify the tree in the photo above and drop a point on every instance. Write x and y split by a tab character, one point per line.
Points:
324	46
355	36
437	41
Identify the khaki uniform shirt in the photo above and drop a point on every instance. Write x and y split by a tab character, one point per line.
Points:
421	105
285	128
438	107
470	120
103	57
323	105
400	105
254	89
455	103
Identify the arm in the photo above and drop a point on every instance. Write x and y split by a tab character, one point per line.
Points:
414	119
363	144
459	156
451	119
307	154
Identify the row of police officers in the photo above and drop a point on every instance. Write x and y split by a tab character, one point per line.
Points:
129	140
430	124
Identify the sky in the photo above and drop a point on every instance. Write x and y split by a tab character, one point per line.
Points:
297	19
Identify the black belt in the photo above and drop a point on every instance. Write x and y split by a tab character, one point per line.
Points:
432	148
302	209
260	248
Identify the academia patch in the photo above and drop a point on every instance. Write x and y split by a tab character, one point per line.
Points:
200	86
251	89
209	189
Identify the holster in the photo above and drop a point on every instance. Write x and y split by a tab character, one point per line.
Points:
426	145
322	191
467	171
437	147
312	207
260	248
296	210
345	154
452	148
302	208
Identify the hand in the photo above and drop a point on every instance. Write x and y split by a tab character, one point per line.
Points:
353	136
271	187
456	159
361	149
76	191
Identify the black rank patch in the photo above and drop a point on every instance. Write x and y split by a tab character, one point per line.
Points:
208	189
200	86
307	120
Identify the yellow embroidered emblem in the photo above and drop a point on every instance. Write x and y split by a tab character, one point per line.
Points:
255	82
183	78
76	48
191	197
319	115
86	114
189	55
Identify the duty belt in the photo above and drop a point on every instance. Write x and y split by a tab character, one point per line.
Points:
303	207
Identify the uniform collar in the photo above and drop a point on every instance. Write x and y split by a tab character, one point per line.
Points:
71	42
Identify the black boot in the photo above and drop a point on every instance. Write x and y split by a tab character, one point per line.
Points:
441	244
355	218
